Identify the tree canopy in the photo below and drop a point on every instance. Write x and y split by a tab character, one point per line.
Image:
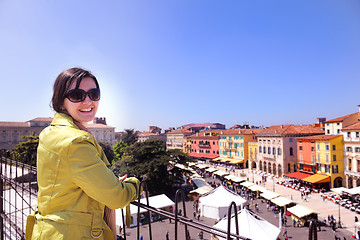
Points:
130	137
149	161
27	150
109	152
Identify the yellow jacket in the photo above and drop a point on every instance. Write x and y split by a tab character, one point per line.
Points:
75	184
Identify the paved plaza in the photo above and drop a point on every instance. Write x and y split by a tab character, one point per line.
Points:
314	202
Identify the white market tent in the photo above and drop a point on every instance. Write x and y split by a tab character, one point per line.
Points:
352	191
159	202
199	182
202	190
269	195
237	179
300	211
211	169
215	204
281	201
257	188
338	190
201	166
220	173
254	228
247	184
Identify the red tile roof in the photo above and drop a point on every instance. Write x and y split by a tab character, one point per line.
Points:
340	119
319	137
291	129
355	126
184	131
39	119
240	131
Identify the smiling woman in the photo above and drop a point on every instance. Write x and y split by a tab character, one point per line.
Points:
76	187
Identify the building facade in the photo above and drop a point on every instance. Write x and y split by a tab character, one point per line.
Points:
277	147
204	144
253	155
175	138
351	135
335	126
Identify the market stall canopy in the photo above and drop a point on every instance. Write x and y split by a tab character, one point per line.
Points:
230	177
201	166
338	190
237	179
210	169
199	182
257	188
269	195
202	190
236	161
246	184
217	159
250	226
192	164
297	175
220	173
301	211
317	178
352	191
281	201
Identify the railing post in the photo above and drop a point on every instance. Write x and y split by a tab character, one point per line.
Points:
179	191
232	204
313	230
1	199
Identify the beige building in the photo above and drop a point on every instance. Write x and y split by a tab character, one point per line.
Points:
351	136
175	138
277	147
11	132
335	126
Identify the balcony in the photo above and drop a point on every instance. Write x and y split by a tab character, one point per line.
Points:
351	173
204	145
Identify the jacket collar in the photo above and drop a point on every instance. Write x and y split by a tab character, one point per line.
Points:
62	119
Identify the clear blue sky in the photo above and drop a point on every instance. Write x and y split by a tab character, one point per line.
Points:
173	62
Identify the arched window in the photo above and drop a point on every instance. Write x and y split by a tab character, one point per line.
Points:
279	151
274	150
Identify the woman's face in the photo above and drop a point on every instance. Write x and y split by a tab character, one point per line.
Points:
84	111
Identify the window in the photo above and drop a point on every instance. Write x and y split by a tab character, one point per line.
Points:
274	150
348	134
334	147
313	159
318	167
312	142
328	131
349	165
312	149
318	157
260	149
300	148
334	158
318	146
264	148
335	169
327	148
300	141
301	166
279	151
290	139
289	167
357	149
357	134
338	124
269	150
327	168
301	158
291	152
338	131
349	149
327	158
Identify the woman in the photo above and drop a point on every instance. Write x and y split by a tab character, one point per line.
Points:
75	183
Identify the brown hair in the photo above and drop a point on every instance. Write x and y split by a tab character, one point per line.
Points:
63	83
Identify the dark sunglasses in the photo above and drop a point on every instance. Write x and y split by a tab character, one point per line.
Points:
79	95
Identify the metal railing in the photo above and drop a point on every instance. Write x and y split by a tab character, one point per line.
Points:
19	191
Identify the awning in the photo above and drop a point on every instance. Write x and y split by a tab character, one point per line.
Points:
217	159
257	188
300	211
317	178
230	177
297	175
210	169
201	166
236	161
247	184
237	179
269	195
202	190
338	190
220	173
281	201
352	191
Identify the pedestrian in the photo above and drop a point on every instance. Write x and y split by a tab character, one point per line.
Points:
285	232
75	182
356	219
201	235
294	222
141	237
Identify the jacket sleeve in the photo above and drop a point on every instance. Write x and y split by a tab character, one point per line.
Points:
90	173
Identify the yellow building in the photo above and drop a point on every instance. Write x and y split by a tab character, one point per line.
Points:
252	154
233	146
329	158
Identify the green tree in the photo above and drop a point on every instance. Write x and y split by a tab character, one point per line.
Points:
130	137
109	153
147	161
177	156
26	151
119	149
